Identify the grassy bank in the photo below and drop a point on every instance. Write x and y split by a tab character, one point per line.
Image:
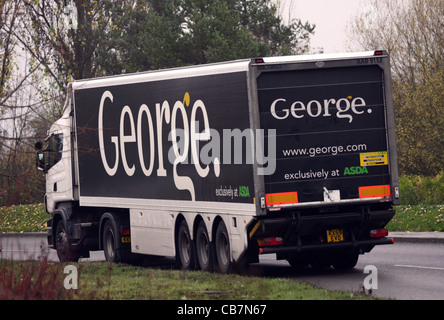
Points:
101	280
23	218
129	282
427	217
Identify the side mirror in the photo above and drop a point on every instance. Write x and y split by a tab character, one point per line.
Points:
40	161
38	145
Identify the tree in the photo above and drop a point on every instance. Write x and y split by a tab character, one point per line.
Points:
412	31
19	181
63	37
80	39
63	40
9	13
188	32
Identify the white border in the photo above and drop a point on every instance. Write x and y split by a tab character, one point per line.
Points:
164	74
207	69
319	57
171	205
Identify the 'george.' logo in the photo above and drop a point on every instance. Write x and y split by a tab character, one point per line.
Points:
281	110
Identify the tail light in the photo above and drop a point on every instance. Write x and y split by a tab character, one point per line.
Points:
378	233
272	241
125	232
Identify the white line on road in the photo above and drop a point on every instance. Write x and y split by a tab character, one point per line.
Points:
418	267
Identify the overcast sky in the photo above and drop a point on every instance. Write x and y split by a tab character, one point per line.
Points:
330	17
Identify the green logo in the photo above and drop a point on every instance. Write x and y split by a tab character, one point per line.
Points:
351	171
244	191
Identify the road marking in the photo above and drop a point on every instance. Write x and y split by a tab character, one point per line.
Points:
418	267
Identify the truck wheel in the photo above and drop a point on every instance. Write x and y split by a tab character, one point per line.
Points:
320	261
223	257
203	248
185	249
110	243
298	261
65	251
346	260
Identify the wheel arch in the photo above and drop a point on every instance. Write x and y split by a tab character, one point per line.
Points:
218	219
106	216
196	222
57	216
177	222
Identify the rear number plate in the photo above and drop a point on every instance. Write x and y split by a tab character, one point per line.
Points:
335	235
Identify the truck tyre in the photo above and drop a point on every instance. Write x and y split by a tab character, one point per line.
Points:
111	244
298	261
65	251
185	248
113	248
320	261
203	248
346	260
223	257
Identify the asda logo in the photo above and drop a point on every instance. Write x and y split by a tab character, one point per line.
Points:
351	171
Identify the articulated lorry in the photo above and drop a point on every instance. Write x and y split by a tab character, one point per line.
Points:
216	164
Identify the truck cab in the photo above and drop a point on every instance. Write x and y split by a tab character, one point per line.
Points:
55	159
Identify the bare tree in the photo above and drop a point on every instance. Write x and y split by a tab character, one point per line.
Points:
8	18
18	179
413	32
45	44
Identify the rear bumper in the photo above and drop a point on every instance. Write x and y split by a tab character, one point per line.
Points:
342	245
306	231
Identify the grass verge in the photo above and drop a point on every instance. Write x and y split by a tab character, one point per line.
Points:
23	218
32	218
102	280
426	217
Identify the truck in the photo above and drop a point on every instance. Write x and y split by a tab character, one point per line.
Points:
217	164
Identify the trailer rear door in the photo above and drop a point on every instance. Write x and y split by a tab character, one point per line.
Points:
331	131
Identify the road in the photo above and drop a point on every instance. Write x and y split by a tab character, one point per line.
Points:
404	270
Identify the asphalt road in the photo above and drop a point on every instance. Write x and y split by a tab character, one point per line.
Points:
403	271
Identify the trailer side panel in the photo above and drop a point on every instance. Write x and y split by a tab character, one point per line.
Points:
164	140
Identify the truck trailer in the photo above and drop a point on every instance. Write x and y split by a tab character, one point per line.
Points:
216	164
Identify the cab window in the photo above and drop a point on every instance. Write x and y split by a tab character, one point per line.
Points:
54	149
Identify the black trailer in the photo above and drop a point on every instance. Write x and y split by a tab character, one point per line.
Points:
215	164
